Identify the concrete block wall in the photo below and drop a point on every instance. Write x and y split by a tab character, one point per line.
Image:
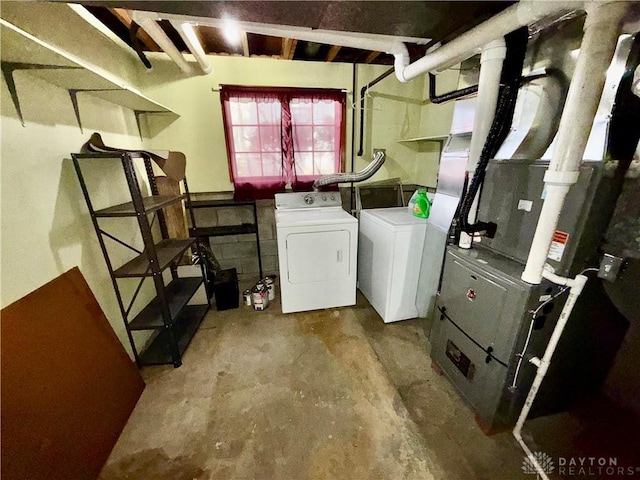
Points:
240	251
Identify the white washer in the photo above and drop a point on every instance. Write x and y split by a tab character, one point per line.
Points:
317	250
390	251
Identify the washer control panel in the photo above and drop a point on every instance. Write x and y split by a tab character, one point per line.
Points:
285	201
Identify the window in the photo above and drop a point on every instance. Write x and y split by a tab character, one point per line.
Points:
280	136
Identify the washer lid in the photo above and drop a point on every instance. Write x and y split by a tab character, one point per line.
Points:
311	217
396	218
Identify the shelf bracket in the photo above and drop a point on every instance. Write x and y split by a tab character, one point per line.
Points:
73	93
7	72
139	113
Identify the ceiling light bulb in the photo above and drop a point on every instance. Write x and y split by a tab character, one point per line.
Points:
231	32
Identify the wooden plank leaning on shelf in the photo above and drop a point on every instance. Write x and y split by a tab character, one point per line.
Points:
68	386
174	215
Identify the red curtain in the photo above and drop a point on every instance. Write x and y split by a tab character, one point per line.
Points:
279	136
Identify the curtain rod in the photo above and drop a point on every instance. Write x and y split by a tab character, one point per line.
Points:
344	90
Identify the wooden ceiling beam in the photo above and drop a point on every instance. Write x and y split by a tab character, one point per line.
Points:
333	52
245	44
371	57
288	48
125	18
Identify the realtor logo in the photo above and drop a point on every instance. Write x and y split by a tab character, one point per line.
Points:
544	460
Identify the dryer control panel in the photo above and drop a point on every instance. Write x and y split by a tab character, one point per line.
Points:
297	200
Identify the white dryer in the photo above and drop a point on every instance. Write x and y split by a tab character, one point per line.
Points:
317	250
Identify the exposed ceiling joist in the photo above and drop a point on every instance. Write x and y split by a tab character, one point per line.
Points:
288	48
371	57
245	44
333	52
124	17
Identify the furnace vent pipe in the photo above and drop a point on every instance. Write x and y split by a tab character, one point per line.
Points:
466	45
190	38
491	59
362	175
148	23
382	43
601	31
519	15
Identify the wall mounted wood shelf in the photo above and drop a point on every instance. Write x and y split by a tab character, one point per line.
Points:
23	51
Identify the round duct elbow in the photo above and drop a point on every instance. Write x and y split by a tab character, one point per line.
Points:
352	177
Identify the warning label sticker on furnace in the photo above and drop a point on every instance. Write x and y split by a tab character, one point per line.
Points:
558	243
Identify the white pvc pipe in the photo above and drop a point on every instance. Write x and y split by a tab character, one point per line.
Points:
148	23
519	15
190	38
363	41
524	13
602	28
576	285
491	60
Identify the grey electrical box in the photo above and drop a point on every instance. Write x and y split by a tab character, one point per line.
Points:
610	267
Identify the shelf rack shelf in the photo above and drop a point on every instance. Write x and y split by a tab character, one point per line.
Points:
220	200
172	321
23	51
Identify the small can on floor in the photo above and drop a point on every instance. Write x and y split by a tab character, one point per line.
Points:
260	296
269	282
246	297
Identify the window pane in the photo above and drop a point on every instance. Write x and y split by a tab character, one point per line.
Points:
301	113
243	112
324	112
303	139
248	164
246	139
324	139
304	163
269	113
272	164
270	138
325	163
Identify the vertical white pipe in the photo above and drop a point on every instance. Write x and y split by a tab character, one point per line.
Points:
190	38
601	31
576	286
153	29
491	60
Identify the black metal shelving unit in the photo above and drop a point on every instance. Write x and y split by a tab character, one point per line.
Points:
172	321
219	200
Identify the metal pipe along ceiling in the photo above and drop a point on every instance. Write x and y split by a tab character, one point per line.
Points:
149	24
519	15
190	38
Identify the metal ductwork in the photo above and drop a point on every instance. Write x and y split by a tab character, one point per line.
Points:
352	177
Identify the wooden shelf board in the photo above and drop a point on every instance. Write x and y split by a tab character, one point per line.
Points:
432	138
19	46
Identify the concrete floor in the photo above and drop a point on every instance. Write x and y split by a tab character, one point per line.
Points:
328	394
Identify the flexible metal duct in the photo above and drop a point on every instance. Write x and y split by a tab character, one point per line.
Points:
355	177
